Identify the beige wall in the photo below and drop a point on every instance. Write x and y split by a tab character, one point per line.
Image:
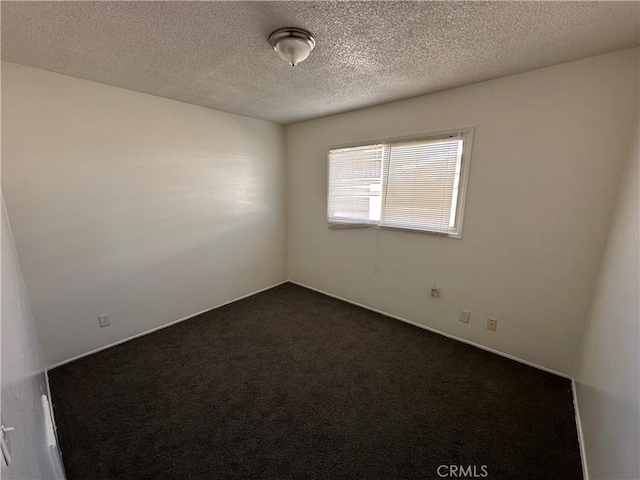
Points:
23	376
548	153
140	207
607	377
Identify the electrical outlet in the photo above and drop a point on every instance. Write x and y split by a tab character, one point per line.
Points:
435	292
492	324
464	316
104	320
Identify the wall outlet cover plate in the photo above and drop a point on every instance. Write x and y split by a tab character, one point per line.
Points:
104	320
492	324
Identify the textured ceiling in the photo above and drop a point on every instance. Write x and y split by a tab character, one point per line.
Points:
216	54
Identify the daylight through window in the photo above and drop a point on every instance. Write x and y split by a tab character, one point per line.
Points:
411	184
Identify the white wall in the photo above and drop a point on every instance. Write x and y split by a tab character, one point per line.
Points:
23	377
137	206
548	152
607	377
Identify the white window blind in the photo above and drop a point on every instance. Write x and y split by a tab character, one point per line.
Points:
414	185
355	184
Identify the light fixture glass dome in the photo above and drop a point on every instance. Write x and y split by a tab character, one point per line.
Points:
292	44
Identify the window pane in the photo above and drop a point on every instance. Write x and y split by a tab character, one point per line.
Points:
411	185
421	184
355	184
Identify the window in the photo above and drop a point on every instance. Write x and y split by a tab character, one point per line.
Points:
403	184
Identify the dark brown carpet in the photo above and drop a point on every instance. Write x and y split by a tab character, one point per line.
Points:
292	384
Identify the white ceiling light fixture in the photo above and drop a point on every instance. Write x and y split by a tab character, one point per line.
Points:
292	44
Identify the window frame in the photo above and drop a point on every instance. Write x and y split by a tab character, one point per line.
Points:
465	164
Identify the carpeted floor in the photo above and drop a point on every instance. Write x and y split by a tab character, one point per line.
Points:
292	384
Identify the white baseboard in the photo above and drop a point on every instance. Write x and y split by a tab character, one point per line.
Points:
146	332
583	453
396	317
448	335
54	450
